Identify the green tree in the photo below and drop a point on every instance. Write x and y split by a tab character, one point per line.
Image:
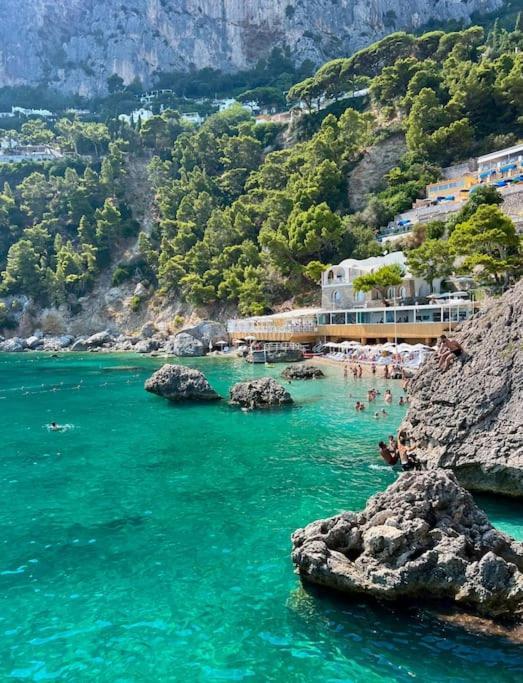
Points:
380	280
431	260
24	271
488	246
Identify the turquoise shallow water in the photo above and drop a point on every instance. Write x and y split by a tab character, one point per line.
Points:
150	542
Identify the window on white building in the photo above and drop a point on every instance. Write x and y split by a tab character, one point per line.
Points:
336	297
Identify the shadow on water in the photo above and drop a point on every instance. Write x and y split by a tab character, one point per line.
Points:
429	625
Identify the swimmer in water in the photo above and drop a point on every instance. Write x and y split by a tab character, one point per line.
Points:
55	427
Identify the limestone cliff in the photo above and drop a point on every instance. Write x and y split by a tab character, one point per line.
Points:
77	44
470	418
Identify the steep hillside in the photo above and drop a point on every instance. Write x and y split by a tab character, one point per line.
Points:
77	44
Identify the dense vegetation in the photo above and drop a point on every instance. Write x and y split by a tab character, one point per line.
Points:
246	213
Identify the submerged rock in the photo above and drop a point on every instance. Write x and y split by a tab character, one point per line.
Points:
259	393
302	372
470	418
422	538
178	383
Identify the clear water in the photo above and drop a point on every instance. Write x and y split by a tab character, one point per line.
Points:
150	542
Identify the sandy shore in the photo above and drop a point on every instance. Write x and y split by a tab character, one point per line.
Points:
367	371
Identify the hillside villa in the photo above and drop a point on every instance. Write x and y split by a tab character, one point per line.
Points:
411	313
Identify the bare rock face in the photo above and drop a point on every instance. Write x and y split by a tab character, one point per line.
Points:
470	418
424	537
302	372
77	45
259	393
178	383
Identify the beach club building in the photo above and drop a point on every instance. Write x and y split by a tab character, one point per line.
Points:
411	312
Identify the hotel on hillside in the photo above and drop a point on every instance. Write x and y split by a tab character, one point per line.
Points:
411	312
502	169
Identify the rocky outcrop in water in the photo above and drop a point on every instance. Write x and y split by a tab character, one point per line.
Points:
302	372
259	393
77	45
178	383
470	418
422	538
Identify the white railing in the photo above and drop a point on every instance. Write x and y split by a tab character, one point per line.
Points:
246	326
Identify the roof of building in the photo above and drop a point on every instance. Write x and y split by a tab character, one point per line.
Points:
501	153
371	264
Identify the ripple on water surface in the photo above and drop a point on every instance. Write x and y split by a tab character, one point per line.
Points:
151	541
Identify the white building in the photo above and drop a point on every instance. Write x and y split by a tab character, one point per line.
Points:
337	291
20	111
136	115
192	117
501	162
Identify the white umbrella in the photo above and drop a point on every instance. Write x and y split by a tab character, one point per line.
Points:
221	343
250	338
331	345
350	344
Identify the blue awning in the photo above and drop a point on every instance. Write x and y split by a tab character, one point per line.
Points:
500	183
508	167
405	222
485	174
450	198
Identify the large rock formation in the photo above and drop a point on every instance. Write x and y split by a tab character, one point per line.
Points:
259	393
302	372
77	44
178	383
423	538
470	418
185	345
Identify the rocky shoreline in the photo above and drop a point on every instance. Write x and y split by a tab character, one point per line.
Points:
191	342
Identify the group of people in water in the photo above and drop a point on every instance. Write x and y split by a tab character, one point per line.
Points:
400	451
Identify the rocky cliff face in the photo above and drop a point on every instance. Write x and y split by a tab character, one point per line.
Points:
77	44
470	418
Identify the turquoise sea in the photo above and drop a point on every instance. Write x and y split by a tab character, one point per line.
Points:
150	542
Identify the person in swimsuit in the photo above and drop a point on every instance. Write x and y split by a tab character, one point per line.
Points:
449	350
390	458
406	454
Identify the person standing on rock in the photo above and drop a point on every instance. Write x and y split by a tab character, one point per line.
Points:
406	454
449	350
